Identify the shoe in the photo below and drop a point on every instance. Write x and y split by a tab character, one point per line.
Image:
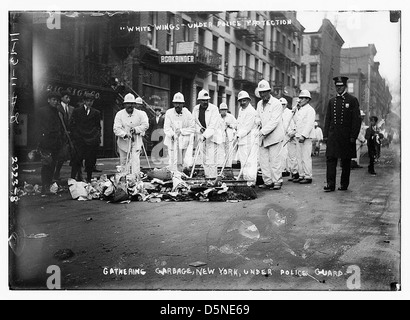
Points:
298	180
294	176
305	181
342	188
266	186
276	187
285	174
329	189
373	173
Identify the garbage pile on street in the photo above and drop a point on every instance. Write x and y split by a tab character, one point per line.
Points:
156	185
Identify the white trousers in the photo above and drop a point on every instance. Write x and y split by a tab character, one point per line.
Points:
224	151
210	159
134	164
271	163
292	161
183	157
304	157
248	156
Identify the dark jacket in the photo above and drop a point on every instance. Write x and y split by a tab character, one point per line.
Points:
50	129
66	118
153	125
85	129
342	126
373	138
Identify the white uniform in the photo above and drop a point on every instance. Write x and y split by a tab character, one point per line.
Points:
213	136
304	123
360	142
248	142
123	123
270	116
290	162
180	148
229	126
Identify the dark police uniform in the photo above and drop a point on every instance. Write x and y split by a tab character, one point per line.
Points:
342	126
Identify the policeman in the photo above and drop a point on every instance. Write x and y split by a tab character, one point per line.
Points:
342	126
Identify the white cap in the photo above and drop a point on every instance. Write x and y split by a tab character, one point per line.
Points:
263	85
178	98
223	106
243	95
204	95
305	94
138	101
129	98
283	101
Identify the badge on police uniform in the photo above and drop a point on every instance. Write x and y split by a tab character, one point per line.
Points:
347	105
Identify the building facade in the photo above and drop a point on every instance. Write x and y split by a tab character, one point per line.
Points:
365	81
320	64
153	55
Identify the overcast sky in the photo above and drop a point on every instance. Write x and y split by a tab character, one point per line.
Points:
360	28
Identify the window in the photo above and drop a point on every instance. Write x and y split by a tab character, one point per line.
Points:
227	58
227	27
248	60
212	95
170	34
215	44
283	78
315	45
152	35
201	37
271	74
289	45
264	71
350	87
256	64
278	37
277	79
313	72
294	48
303	73
238	57
228	100
288	81
185	30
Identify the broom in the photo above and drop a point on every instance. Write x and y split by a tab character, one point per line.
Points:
219	177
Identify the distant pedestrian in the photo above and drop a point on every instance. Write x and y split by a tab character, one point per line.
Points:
85	129
316	140
156	129
372	136
130	125
51	139
270	112
342	127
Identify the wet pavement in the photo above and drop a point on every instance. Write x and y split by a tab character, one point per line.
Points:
297	238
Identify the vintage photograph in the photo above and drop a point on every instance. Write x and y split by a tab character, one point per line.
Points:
205	150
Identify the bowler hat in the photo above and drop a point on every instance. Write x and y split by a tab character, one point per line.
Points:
53	94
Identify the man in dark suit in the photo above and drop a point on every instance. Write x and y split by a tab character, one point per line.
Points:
51	139
66	112
85	130
156	128
342	126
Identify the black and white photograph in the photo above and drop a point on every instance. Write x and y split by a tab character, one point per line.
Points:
219	150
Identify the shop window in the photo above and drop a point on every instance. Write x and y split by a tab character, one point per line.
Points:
303	73
350	87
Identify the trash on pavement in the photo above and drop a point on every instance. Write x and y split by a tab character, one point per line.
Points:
197	264
276	218
154	186
54	188
37	236
64	254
